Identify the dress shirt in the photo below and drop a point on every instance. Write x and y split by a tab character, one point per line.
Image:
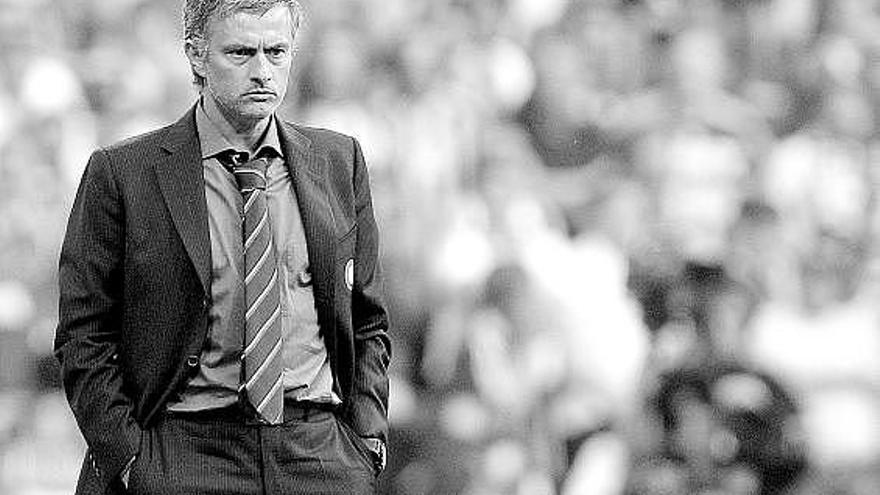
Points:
307	373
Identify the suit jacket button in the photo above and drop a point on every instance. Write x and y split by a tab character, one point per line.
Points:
192	361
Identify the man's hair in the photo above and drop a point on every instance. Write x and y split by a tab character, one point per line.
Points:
196	14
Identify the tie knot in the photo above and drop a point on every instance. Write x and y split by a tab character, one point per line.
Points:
249	174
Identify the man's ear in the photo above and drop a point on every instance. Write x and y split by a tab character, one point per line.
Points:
196	53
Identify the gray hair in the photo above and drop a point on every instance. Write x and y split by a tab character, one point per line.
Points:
196	14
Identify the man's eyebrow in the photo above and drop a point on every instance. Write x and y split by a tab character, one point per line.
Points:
238	46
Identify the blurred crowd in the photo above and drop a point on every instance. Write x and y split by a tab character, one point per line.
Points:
631	246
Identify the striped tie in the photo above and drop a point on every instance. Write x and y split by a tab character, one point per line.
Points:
262	364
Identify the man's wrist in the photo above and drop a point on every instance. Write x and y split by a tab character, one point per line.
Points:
126	471
378	450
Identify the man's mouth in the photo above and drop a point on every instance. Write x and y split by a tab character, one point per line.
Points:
261	94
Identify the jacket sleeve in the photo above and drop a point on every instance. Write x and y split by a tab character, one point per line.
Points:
90	315
369	405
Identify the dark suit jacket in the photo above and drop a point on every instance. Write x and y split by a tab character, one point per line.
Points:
135	284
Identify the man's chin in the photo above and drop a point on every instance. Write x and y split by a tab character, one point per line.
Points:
256	112
260	109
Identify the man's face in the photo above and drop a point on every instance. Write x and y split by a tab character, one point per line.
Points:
247	63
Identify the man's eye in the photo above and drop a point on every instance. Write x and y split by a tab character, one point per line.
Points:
276	52
240	53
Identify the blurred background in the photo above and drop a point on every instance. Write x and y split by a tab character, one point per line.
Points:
631	246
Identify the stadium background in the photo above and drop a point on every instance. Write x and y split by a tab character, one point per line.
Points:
631	245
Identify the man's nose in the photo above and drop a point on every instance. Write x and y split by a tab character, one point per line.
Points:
261	68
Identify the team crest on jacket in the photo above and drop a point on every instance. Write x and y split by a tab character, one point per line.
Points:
349	273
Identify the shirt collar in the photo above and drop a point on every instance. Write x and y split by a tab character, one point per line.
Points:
214	143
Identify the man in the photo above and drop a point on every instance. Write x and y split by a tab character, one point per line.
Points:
221	327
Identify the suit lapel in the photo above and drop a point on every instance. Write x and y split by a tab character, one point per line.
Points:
181	180
308	171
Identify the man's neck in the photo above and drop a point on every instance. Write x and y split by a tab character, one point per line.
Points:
246	137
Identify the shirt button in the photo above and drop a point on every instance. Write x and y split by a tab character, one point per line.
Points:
192	360
206	302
